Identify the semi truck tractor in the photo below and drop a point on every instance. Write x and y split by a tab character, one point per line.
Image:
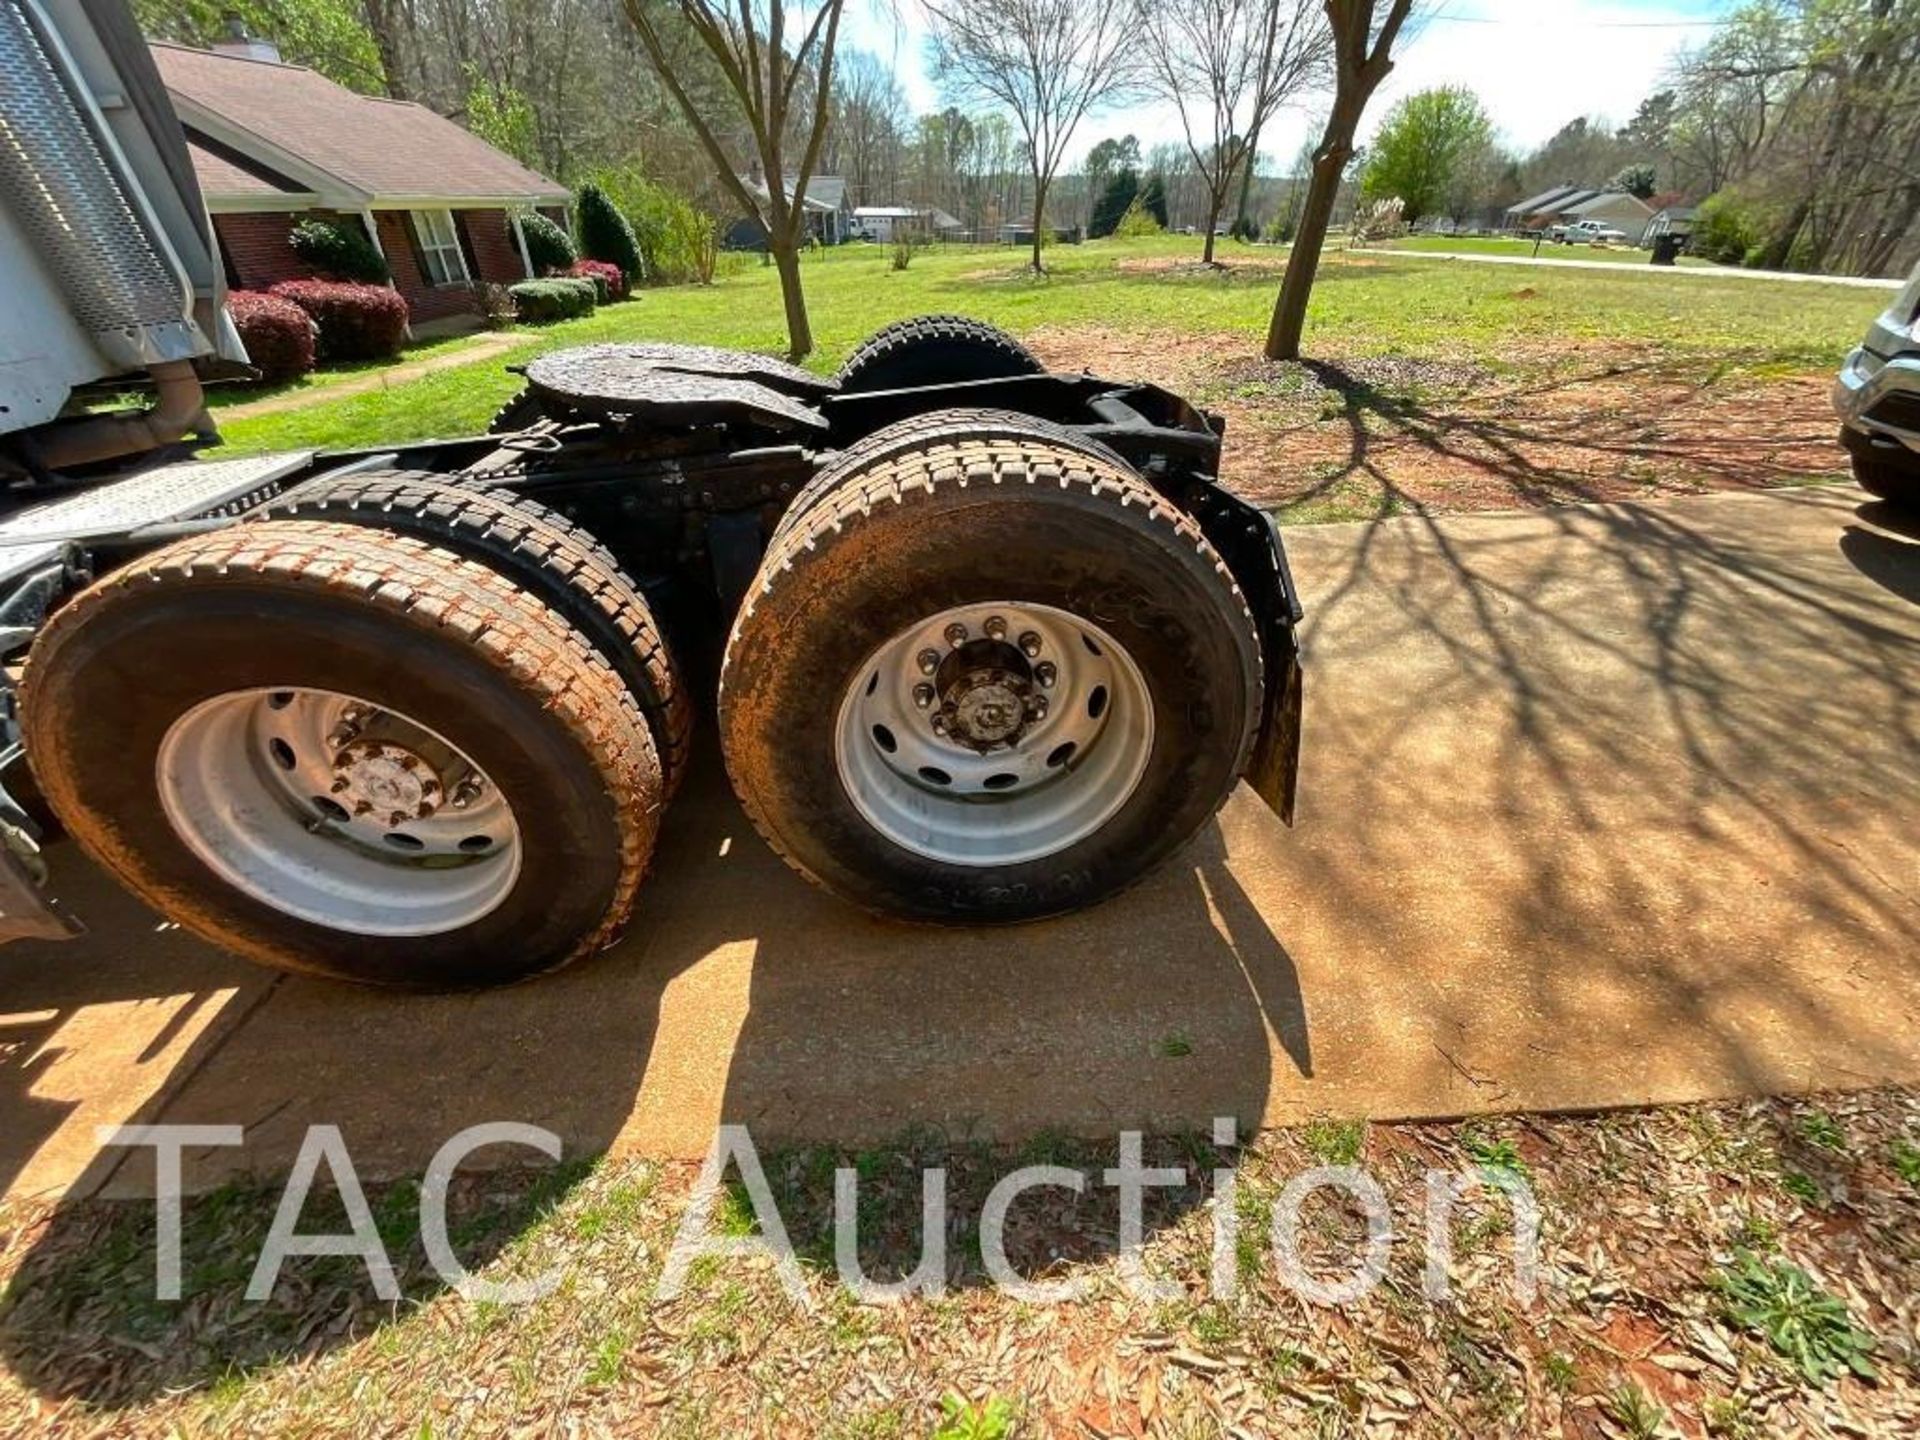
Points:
981	643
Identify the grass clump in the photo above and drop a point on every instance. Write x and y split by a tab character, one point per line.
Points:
1787	1307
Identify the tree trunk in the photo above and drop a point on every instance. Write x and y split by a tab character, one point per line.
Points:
1216	202
383	19
1290	310
1039	214
1779	247
1359	67
786	259
1247	162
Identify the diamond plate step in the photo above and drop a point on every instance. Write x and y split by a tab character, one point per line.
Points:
184	491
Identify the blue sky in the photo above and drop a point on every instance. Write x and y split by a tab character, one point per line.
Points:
1534	63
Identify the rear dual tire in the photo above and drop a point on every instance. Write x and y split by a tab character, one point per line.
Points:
541	551
935	350
344	752
962	567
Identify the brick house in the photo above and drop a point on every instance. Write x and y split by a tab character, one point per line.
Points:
273	144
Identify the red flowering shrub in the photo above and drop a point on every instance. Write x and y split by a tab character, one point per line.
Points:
277	333
608	283
357	322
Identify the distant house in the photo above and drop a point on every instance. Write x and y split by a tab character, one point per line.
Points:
1548	208
1538	210
829	220
889	222
1626	213
273	144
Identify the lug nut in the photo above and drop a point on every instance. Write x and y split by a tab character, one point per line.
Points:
1038	708
1030	644
363	807
939	723
396	818
996	628
923	695
341	784
409	762
1045	673
956	634
465	793
929	661
423	811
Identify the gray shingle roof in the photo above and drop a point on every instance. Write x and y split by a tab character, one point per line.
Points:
384	149
222	179
824	192
1545	197
1602	198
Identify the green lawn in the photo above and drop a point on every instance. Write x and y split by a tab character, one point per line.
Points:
1368	303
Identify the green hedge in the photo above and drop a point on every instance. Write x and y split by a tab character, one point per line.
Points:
547	244
339	252
541	302
604	234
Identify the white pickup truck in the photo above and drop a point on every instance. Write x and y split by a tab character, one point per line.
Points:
1588	232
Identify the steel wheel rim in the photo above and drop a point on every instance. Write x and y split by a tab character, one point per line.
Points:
920	742
337	811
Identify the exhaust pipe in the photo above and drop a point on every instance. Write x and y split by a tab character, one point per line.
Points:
179	408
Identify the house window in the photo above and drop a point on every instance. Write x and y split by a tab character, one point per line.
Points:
439	247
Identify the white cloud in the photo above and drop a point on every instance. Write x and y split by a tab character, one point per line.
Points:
1535	64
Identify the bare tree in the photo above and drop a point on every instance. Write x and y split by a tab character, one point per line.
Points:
784	95
1362	50
1047	61
1227	66
869	124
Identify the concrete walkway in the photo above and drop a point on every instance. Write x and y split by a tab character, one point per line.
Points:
1858	282
1601	805
482	347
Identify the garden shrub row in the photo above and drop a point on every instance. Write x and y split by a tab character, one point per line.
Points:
340	252
608	283
604	234
547	244
277	333
541	302
356	322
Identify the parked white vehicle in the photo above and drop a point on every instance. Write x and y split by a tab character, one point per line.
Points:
1877	396
1588	232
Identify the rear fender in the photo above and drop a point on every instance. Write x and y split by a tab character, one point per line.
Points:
1249	542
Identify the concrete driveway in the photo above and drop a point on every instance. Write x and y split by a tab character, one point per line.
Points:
1601	806
1566	256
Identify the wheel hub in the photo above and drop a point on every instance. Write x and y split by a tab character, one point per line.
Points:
337	811
986	688
371	776
994	733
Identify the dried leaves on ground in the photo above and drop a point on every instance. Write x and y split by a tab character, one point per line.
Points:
1733	1270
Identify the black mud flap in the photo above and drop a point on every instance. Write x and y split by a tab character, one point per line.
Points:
1249	541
